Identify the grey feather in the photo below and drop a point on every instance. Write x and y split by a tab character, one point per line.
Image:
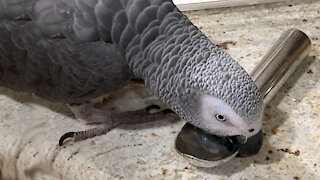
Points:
72	51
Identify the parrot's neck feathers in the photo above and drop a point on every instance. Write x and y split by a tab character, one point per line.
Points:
173	56
163	55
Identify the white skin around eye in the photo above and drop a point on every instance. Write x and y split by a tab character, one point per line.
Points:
233	125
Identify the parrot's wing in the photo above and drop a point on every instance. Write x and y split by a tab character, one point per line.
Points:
53	50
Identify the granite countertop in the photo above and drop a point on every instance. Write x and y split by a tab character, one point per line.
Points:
30	127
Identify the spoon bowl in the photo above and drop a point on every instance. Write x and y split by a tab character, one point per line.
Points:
203	149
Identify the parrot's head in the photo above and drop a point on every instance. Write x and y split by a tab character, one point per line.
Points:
219	117
221	98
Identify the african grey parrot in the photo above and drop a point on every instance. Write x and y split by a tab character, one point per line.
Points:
73	51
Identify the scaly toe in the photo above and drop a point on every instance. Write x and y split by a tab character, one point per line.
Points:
148	108
65	136
168	111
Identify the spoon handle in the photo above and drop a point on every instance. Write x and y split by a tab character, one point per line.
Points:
280	62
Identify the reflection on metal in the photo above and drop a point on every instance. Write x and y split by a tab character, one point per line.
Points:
205	150
212	150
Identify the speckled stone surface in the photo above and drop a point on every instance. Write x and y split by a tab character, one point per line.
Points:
30	127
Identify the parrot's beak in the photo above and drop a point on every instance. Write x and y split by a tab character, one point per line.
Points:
241	139
251	146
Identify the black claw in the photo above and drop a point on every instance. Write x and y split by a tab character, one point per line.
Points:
148	108
168	111
65	136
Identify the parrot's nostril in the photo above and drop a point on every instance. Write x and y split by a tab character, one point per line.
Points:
251	130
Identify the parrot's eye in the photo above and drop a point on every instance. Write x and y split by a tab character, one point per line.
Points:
220	117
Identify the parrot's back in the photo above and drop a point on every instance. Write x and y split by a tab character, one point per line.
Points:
53	49
74	50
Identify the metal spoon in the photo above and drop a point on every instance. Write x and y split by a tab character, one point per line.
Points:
206	150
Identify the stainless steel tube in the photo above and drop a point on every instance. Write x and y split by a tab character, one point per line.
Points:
280	62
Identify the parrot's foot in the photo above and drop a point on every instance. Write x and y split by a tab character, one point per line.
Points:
108	120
